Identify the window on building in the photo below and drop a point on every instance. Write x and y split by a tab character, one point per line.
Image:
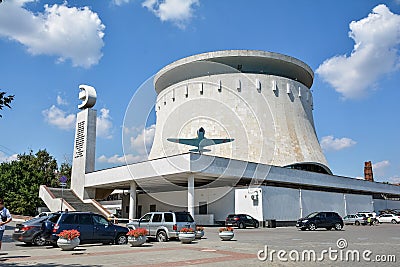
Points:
203	208
153	208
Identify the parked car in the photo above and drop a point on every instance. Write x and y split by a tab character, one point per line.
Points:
367	214
388	218
241	221
355	219
43	214
29	232
324	219
93	228
164	225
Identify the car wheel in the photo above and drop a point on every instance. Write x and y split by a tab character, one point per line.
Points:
38	241
394	221
357	223
312	227
256	225
121	239
241	226
162	236
303	229
338	226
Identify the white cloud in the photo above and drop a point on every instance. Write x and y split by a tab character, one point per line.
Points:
379	168
381	165
59	118
124	159
178	12
5	158
61	101
394	180
121	2
70	33
104	124
375	53
330	143
144	140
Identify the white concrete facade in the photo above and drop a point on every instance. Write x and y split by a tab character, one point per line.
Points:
263	203
84	152
268	114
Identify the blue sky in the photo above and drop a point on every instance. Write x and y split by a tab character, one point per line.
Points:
48	48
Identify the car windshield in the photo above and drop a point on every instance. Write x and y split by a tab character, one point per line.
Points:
312	215
183	217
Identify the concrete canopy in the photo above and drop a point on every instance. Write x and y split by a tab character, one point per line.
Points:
250	61
171	173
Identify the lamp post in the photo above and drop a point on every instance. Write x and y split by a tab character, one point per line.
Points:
63	183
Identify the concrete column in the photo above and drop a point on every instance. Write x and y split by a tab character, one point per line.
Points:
301	203
191	194
132	201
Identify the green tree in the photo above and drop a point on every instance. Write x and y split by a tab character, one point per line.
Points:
20	180
5	101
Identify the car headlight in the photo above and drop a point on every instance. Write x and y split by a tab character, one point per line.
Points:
304	221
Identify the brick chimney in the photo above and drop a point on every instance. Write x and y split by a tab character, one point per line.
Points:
368	174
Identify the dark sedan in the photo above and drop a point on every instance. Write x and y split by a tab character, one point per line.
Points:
241	221
29	232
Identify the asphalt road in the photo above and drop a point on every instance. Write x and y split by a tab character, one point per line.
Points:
382	241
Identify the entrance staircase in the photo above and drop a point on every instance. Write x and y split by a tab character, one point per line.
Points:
52	197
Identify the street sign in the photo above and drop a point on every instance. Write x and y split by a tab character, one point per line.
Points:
63	179
63	184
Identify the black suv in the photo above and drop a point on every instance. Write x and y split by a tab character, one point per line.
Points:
316	220
94	228
241	221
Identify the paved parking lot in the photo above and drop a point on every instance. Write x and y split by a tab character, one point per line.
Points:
383	241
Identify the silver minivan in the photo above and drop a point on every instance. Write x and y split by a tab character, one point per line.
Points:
164	225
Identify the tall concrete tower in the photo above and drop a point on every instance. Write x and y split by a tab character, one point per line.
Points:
261	99
85	142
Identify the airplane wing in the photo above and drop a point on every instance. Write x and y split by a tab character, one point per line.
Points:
189	142
210	142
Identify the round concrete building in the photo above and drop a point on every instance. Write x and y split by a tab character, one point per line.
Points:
262	100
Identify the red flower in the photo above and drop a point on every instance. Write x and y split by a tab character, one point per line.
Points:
69	234
137	232
224	229
186	230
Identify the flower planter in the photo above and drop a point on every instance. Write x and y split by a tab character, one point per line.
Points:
136	241
199	234
66	244
187	238
226	235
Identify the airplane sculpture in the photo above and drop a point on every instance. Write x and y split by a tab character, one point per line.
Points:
200	142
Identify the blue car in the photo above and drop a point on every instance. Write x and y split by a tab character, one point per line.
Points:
93	228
